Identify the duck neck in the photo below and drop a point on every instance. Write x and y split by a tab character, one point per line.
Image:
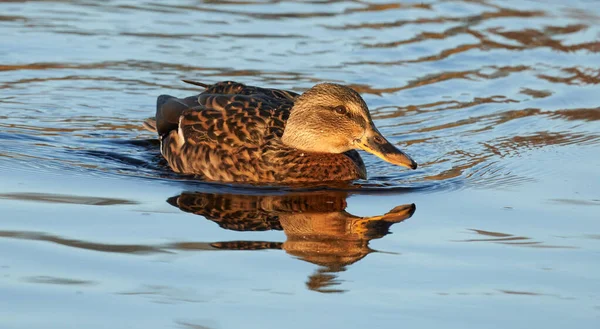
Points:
298	139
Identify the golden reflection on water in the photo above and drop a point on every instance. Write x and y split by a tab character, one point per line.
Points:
317	227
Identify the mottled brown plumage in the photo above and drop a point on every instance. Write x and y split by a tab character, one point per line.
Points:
237	133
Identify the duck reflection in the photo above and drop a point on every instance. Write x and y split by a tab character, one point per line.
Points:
317	227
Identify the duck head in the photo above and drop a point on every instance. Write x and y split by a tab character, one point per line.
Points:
331	118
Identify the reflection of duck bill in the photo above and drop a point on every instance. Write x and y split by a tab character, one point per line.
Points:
398	214
317	227
340	239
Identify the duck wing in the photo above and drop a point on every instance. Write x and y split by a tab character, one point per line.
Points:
230	121
169	109
236	88
220	134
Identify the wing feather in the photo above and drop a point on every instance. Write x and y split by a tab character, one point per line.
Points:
233	121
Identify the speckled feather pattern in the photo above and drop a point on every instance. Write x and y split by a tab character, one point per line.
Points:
232	133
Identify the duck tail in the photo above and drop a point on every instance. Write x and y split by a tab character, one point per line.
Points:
196	83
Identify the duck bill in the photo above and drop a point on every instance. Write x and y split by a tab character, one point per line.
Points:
374	143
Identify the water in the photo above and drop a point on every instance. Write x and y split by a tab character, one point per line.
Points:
496	100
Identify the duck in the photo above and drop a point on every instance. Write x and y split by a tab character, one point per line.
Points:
236	133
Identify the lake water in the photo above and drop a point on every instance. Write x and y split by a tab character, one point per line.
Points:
498	102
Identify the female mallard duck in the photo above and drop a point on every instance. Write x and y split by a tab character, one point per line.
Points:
237	133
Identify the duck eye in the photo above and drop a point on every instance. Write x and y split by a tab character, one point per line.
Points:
340	110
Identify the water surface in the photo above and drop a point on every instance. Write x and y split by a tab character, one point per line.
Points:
496	100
